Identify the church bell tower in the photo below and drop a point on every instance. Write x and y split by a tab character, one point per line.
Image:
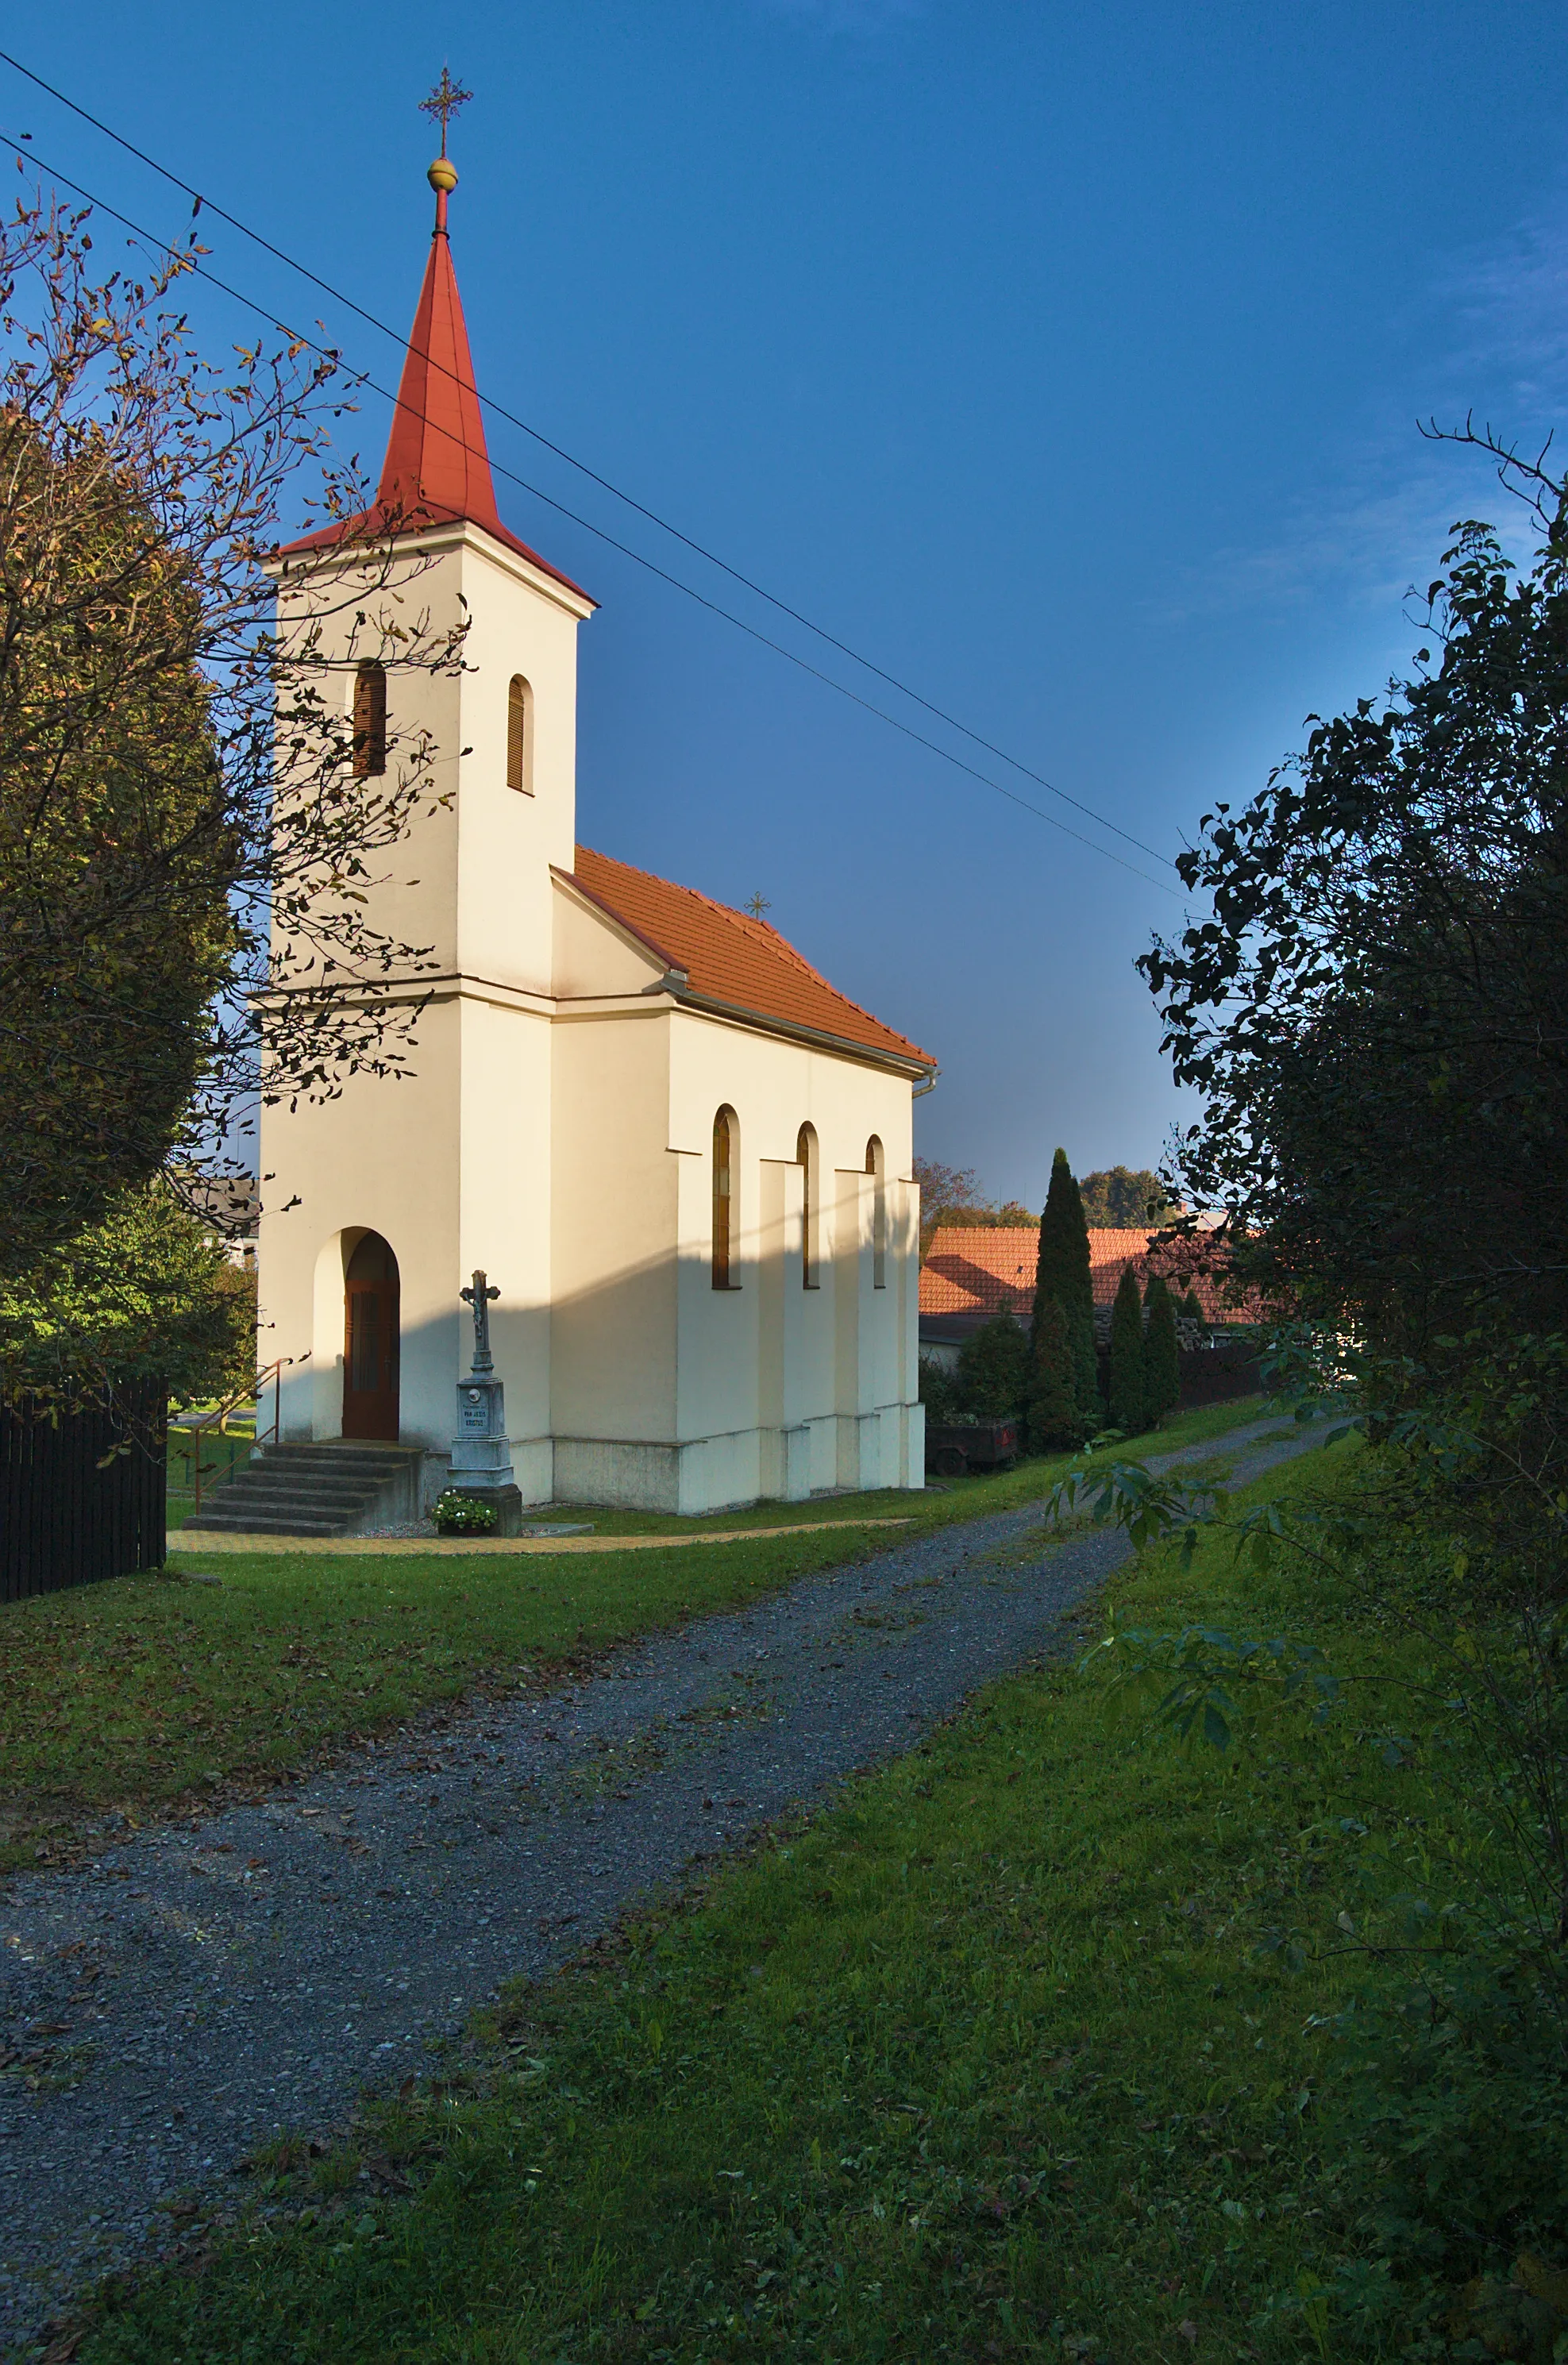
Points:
418	1180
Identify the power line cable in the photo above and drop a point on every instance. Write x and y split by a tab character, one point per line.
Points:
28	152
583	467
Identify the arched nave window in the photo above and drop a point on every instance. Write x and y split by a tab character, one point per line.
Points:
369	719
811	1210
725	1133
520	736
876	1166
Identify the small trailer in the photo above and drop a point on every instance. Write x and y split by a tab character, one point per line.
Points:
954	1448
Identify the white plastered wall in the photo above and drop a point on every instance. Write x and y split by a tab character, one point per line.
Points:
382	1158
665	1390
557	1129
782	1388
612	1400
452	1162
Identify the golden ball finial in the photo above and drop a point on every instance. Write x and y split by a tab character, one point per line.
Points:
443	177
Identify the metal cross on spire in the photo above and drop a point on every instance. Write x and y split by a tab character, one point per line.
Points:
443	103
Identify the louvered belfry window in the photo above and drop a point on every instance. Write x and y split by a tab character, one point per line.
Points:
369	720
520	767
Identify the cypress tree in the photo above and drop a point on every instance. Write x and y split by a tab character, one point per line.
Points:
1126	1388
1055	1424
1062	1275
1054	1417
1191	1308
1161	1356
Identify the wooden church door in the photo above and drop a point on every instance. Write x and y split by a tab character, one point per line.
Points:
370	1341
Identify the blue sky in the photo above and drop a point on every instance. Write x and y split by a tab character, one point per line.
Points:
1065	361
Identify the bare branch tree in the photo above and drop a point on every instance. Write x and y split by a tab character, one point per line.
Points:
1530	481
186	840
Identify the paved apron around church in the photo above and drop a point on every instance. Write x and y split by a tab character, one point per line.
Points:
213	1985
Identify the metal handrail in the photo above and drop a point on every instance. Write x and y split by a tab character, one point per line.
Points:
220	1416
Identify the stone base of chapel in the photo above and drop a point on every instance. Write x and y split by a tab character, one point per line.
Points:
846	1452
852	1452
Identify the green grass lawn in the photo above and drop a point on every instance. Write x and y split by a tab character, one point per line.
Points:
987	2062
136	1695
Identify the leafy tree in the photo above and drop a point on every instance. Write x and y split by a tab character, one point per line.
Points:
115	868
1161	1355
184	844
147	1294
1054	1420
946	1192
1376	1012
951	1195
1062	1274
1126	1386
1124	1198
993	1370
939	1391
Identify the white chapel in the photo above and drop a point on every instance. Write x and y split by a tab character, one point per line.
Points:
681	1157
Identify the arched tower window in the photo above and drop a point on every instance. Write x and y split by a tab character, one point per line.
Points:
876	1166
520	736
369	719
811	1210
725	1134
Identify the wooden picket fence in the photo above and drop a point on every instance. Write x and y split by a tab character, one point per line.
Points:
81	1494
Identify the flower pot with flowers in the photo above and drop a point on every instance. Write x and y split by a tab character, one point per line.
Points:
463	1515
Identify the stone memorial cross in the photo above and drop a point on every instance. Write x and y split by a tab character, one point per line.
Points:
479	1297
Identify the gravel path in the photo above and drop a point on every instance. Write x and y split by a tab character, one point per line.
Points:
197	1988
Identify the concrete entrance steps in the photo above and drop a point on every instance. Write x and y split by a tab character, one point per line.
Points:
338	1488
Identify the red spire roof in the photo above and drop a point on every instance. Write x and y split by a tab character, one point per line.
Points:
437	468
436	462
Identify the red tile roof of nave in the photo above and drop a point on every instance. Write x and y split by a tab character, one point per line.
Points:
437	468
989	1268
733	959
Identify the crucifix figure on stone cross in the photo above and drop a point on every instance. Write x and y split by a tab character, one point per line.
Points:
479	1298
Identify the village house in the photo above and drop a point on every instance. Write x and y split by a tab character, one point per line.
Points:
975	1270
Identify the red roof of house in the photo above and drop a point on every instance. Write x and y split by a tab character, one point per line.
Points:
437	468
734	961
989	1268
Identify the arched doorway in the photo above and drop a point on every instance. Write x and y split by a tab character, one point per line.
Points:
370	1340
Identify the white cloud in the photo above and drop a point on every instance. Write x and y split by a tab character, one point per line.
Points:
1500	355
1372	546
1509	299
